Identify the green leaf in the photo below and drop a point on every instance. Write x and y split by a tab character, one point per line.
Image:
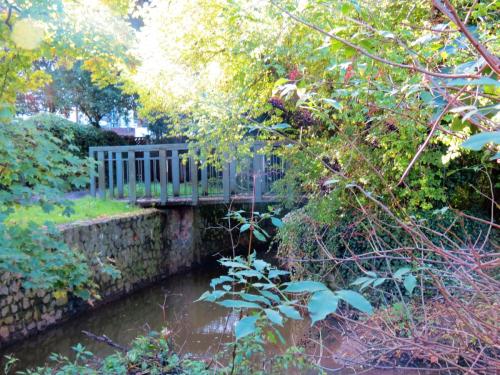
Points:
361	280
410	282
478	141
356	300
379	281
275	273
473	82
237	304
289	312
321	304
274	316
269	295
335	104
255	298
260	265
245	326
220	280
276	222
248	273
304	286
244	227
232	264
281	126
259	235
496	156
400	272
211	296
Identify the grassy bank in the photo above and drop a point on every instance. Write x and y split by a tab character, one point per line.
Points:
86	208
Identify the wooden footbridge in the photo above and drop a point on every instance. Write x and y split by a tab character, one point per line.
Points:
166	174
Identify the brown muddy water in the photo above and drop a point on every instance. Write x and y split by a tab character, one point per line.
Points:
198	328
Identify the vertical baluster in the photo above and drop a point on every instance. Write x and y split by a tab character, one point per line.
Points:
111	175
102	176
163	176
193	174
119	174
155	177
92	173
226	189
147	174
183	176
175	173
232	176
258	170
132	197
204	177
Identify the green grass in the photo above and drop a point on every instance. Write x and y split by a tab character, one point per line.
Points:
85	209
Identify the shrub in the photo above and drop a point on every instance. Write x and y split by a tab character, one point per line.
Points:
83	136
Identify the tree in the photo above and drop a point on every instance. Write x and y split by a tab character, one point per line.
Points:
74	87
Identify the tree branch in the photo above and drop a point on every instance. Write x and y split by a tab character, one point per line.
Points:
367	53
447	9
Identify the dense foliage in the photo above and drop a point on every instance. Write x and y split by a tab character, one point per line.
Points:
372	102
38	163
35	171
80	137
387	116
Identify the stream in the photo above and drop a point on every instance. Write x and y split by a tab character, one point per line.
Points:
197	327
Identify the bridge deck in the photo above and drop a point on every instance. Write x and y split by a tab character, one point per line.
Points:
202	201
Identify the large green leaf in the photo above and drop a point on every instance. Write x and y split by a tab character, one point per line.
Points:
478	141
255	298
276	222
274	316
400	272
356	300
259	235
473	82
289	312
410	282
321	304
237	304
304	286
275	273
245	326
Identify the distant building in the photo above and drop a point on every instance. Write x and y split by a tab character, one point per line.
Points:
127	126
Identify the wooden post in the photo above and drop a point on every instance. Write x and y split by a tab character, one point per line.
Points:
175	173
102	176
132	197
232	176
193	174
92	173
147	174
163	177
111	175
119	174
204	177
258	170
226	180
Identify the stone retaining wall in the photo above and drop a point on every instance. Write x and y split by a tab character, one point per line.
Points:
145	247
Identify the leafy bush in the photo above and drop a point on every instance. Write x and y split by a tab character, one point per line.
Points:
82	136
155	354
36	169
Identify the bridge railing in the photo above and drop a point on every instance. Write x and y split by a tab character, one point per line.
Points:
165	172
